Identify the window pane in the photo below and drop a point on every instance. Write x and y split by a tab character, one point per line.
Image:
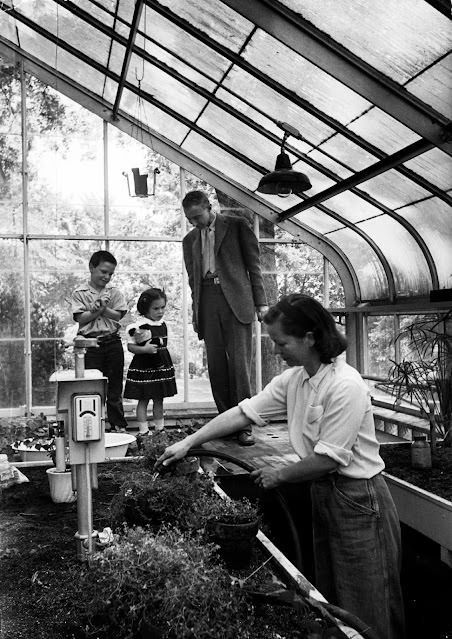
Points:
380	336
47	356
66	187
12	374
11	289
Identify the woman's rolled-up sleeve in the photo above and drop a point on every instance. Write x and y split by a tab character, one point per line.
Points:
342	418
269	403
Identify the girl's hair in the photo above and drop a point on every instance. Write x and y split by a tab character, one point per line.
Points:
147	297
300	314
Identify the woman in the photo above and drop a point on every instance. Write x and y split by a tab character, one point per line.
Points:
331	428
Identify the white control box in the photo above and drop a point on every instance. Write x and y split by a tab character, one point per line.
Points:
87	418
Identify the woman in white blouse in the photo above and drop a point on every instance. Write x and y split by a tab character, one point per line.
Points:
331	428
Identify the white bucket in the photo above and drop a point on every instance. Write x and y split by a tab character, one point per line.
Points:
60	486
116	444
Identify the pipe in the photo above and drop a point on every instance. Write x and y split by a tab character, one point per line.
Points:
206	452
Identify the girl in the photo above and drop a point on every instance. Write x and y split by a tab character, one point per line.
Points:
151	372
332	431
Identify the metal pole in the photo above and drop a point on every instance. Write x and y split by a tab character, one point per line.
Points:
106	187
257	326
184	292
326	283
27	343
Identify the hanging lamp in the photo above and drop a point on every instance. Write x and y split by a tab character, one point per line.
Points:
284	181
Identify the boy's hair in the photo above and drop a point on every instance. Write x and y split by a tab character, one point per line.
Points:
147	297
300	314
195	198
101	256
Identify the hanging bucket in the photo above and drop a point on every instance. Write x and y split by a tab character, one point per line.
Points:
60	486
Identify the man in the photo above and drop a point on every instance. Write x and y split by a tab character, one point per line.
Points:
221	256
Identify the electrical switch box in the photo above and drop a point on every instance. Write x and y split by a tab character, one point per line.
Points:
87	418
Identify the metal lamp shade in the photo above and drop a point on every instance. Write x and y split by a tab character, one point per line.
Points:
283	180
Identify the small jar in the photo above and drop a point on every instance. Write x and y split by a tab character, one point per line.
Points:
421	455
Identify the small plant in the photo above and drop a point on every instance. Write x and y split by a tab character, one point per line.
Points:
165	585
229	511
145	500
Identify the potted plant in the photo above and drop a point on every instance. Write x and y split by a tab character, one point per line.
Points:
34	448
232	524
424	376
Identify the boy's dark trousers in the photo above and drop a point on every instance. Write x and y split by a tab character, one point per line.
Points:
108	357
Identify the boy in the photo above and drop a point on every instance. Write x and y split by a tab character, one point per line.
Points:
98	307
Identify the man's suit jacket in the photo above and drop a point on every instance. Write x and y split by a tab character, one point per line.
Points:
237	264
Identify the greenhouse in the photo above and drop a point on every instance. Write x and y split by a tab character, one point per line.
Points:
326	128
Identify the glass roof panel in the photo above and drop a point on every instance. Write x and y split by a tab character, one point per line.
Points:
187	47
319	221
66	63
222	161
174	63
435	166
96	12
329	163
110	89
348	152
434	86
352	207
256	115
116	57
367	266
432	219
383	131
398	37
165	89
393	189
317	87
408	264
68	28
124	9
239	136
215	19
276	106
152	117
8	28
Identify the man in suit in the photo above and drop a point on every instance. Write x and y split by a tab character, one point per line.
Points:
221	256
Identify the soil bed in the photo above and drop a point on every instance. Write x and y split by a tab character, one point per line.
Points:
437	480
37	548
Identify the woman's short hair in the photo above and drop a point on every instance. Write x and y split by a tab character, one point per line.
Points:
147	297
300	314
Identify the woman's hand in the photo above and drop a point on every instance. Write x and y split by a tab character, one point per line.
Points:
266	477
173	453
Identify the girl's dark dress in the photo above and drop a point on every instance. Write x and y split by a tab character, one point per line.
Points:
151	375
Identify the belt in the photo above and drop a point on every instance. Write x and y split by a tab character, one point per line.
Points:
210	281
104	339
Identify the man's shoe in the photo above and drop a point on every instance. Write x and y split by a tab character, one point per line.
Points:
245	438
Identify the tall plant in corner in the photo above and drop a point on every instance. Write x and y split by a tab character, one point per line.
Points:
424	378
